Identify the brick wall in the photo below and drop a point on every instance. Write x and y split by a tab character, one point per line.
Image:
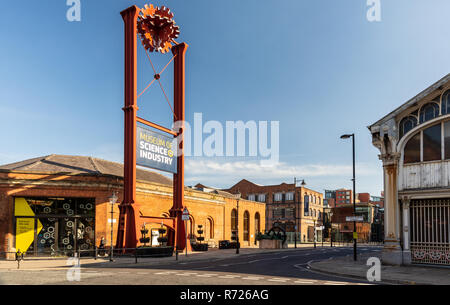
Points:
153	200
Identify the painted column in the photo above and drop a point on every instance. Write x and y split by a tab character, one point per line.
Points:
126	234
391	253
406	232
179	51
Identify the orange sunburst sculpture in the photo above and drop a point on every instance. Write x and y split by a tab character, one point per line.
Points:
157	28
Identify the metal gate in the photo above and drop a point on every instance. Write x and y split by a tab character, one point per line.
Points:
430	231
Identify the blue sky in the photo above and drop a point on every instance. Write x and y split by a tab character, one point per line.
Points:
316	66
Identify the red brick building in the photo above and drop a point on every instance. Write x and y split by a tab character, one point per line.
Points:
287	206
58	203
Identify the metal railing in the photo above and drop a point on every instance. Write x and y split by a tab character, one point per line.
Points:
91	253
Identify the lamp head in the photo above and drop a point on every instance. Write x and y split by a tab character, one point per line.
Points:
113	198
238	194
346	136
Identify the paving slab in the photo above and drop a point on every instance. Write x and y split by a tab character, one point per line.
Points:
405	275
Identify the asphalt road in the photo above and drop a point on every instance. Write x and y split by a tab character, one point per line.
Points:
276	268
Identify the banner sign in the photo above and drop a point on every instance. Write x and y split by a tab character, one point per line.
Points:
156	150
306	207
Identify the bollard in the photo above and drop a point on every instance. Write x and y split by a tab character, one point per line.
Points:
19	257
95	253
135	255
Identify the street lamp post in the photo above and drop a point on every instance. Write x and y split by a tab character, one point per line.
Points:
314	233
297	211
346	136
112	200
238	196
331	226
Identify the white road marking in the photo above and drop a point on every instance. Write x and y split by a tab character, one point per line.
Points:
335	283
253	278
187	274
305	282
165	273
228	276
206	275
276	279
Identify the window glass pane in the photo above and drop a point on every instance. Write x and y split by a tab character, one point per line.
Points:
428	112
446	102
447	139
407	124
432	143
412	150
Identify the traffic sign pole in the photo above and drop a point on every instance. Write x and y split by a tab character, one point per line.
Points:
185	218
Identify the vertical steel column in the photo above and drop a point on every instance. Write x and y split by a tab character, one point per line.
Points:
179	51
126	235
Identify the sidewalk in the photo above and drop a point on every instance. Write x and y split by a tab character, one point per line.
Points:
406	275
121	262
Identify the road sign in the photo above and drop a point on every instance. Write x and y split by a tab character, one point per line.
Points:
354	218
185	215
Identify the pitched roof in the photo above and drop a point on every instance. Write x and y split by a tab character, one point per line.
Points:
81	165
431	89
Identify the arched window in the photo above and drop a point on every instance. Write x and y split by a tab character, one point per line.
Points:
246	226
412	150
191	227
233	222
257	223
406	124
210	227
445	106
306	203
428	112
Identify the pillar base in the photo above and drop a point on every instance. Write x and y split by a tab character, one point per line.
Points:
392	253
406	257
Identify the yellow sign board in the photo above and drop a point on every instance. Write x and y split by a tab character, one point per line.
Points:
355	235
24	225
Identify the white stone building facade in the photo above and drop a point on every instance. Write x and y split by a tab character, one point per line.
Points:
414	142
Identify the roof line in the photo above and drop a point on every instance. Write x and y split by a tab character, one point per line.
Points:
419	96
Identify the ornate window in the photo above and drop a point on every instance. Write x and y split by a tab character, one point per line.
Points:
428	112
406	124
427	145
446	102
